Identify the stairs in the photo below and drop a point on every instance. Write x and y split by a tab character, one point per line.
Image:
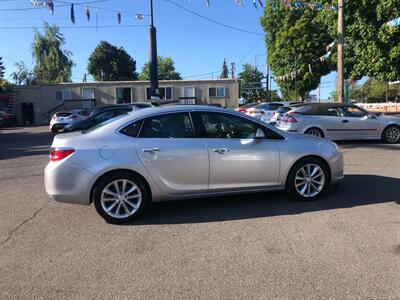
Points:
11	104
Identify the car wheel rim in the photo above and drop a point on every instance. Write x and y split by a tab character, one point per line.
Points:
314	132
393	135
121	198
310	180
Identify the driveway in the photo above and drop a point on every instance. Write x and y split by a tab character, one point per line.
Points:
260	246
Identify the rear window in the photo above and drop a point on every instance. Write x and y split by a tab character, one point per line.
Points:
63	114
103	124
282	110
269	106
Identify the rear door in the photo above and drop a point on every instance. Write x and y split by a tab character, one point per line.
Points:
332	123
173	156
237	160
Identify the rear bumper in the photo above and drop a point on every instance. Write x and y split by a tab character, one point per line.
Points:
67	182
58	126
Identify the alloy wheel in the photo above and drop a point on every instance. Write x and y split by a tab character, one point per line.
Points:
309	180
314	132
121	198
393	134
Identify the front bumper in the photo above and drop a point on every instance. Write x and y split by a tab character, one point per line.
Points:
67	182
337	168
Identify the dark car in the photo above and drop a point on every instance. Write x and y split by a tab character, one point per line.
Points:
99	115
7	119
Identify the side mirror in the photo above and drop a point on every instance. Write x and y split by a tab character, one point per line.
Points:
260	135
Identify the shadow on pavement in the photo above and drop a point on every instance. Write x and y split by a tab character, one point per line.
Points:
355	190
18	144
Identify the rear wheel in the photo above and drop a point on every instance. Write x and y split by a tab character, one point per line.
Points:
54	129
391	134
308	179
120	197
315	132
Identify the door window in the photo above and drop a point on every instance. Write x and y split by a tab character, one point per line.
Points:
224	126
352	112
168	126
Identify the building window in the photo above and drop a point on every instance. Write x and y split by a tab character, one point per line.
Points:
218	91
188	91
87	93
123	94
63	95
165	93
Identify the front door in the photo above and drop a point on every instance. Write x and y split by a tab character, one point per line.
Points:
356	123
237	159
174	158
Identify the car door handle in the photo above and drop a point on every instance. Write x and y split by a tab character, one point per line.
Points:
221	150
345	121
151	150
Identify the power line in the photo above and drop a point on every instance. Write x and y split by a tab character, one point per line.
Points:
71	27
211	20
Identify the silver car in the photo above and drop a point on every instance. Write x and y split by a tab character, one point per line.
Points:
177	152
340	122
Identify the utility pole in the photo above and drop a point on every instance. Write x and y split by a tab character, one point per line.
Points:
340	58
319	92
233	70
153	57
267	83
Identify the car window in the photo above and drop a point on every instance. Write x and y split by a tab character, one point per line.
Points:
104	116
118	112
352	112
178	125
132	129
334	112
225	126
269	106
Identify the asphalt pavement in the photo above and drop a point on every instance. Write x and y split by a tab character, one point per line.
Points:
260	246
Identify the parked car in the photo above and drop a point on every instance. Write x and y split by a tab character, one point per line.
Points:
245	107
8	119
184	151
63	118
265	110
276	115
99	115
340	122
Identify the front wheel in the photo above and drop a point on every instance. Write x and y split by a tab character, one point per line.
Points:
308	179
391	134
120	197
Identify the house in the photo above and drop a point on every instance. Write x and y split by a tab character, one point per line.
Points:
34	104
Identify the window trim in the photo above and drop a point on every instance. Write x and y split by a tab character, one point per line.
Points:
123	87
88	88
216	91
161	87
189	86
62	94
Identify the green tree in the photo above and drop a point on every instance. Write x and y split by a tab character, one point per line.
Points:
22	76
2	68
52	63
110	63
295	39
251	83
166	70
5	86
225	71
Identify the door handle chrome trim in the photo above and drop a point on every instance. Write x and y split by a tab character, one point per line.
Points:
221	150
151	150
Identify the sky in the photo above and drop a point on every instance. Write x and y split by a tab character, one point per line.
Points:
197	46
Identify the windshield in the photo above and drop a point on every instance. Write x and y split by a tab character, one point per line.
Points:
103	124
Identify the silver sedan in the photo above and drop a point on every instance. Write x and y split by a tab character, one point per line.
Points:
157	154
339	122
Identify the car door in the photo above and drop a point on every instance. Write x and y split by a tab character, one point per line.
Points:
237	159
356	124
331	122
173	156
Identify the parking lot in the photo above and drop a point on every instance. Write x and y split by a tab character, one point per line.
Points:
261	246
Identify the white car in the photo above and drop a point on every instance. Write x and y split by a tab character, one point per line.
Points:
60	119
336	121
264	111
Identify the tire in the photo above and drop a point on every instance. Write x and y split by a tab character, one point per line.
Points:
391	134
125	207
314	131
308	189
54	130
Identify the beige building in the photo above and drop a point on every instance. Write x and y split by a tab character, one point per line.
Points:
35	103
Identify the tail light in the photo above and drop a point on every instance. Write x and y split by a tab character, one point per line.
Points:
288	119
57	154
